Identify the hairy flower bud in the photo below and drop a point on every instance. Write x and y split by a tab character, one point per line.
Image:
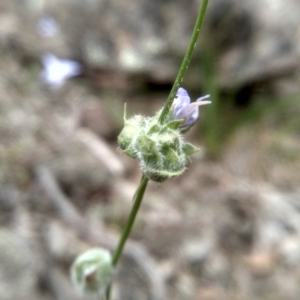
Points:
160	148
92	271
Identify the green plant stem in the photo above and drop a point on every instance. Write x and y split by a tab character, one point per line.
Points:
137	200
138	197
186	60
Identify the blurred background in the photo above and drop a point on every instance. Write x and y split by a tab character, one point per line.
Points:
229	228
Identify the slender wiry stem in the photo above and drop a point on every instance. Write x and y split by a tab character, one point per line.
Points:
185	62
139	194
137	198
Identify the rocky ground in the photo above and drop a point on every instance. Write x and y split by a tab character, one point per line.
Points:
229	228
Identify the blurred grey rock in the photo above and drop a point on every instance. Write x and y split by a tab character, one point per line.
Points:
18	268
281	218
247	41
254	40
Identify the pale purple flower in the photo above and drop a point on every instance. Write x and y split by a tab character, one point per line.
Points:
186	111
47	27
56	71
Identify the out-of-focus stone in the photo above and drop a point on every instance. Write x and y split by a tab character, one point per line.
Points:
250	41
261	264
18	268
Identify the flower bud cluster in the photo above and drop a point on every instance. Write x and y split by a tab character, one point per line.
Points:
160	148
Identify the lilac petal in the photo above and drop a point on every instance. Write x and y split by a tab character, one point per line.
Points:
57	71
181	92
191	116
182	98
180	104
181	101
179	112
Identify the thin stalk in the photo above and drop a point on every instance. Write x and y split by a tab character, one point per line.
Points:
138	197
137	200
185	62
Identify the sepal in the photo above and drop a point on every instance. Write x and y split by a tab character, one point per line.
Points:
189	149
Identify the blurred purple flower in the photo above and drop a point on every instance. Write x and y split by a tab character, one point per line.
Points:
186	111
47	27
56	71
